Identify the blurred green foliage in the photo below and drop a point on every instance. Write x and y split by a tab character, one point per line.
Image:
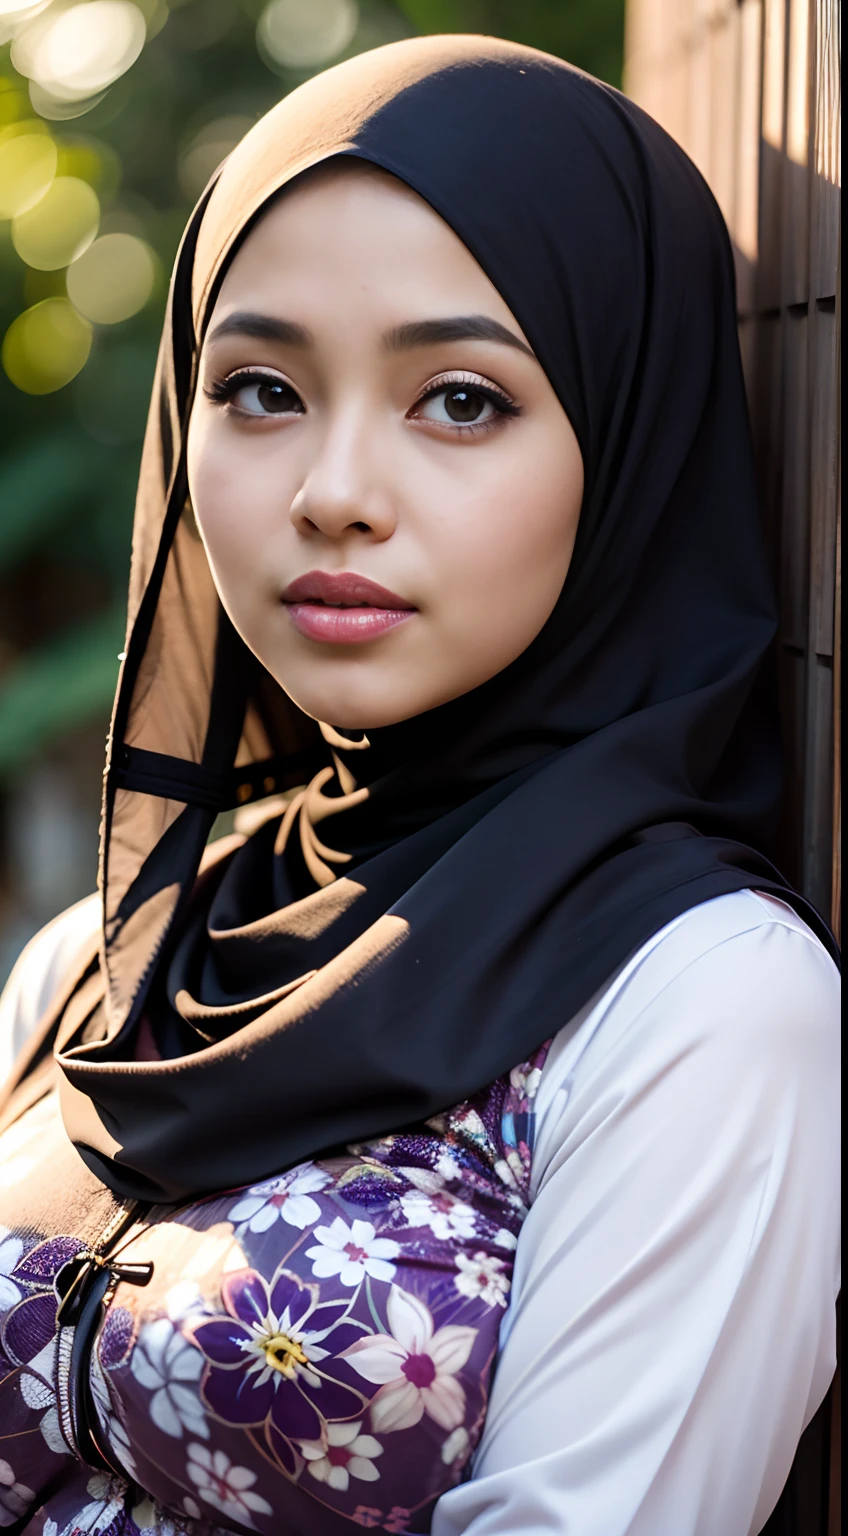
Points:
69	459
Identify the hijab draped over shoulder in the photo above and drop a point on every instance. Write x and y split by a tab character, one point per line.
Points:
515	845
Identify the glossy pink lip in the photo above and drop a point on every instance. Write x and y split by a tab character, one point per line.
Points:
343	608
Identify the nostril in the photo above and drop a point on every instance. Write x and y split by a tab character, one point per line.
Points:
362	527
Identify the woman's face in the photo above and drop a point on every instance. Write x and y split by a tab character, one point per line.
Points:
386	484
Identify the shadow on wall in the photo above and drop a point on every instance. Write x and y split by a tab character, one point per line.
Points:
789	339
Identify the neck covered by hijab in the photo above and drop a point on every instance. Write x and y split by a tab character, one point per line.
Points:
516	844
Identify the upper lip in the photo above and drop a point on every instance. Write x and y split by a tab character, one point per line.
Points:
342	587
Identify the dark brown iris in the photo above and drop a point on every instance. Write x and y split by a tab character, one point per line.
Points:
277	397
463	404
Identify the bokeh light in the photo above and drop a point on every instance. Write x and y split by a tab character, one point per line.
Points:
302	36
113	279
14	13
206	151
74	54
46	346
57	111
28	164
59	227
91	160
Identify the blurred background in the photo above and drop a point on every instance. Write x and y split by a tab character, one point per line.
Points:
113	116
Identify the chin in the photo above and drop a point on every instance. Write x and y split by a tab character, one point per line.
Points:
356	702
348	714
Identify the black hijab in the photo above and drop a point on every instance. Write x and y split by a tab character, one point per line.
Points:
521	841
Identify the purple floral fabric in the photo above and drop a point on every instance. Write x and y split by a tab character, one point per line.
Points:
313	1352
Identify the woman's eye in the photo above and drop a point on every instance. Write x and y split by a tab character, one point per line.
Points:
457	405
266	397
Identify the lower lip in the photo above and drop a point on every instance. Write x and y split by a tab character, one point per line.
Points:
345	626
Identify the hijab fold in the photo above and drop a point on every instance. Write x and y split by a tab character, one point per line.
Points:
518	843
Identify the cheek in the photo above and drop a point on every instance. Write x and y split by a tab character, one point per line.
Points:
236	508
505	551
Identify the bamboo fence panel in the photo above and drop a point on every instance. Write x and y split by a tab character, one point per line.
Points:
752	91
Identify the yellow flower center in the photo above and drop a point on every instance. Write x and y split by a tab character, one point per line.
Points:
283	1354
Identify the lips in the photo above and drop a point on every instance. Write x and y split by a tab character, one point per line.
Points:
343	608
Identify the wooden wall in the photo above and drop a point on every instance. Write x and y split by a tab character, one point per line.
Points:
751	89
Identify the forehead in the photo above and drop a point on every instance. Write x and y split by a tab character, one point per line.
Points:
348	233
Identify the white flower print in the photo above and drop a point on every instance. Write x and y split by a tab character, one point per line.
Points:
11	1249
183	1300
225	1486
447	1166
441	1212
15	1497
482	1275
347	1454
108	1497
415	1368
38	1394
170	1367
524	1082
352	1252
286	1198
456	1446
512	1173
111	1425
426	1179
504	1238
35	1393
147	1520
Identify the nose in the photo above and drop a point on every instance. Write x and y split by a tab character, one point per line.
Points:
342	493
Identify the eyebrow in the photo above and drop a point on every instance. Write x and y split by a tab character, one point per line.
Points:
429	333
263	328
401	338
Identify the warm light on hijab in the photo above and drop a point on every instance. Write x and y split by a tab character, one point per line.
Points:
518	843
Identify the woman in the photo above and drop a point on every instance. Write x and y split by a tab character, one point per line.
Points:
500	1042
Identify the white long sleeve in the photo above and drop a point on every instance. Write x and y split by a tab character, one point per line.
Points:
671	1328
38	973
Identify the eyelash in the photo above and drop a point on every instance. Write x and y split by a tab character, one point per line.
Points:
503	403
222	391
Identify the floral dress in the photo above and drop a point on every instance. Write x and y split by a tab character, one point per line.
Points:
307	1354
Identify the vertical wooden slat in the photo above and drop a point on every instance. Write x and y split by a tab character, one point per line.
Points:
771	151
701	106
794	510
748	352
745	229
796	177
817	832
723	41
823	485
827	157
793	695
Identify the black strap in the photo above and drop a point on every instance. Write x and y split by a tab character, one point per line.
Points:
174	778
